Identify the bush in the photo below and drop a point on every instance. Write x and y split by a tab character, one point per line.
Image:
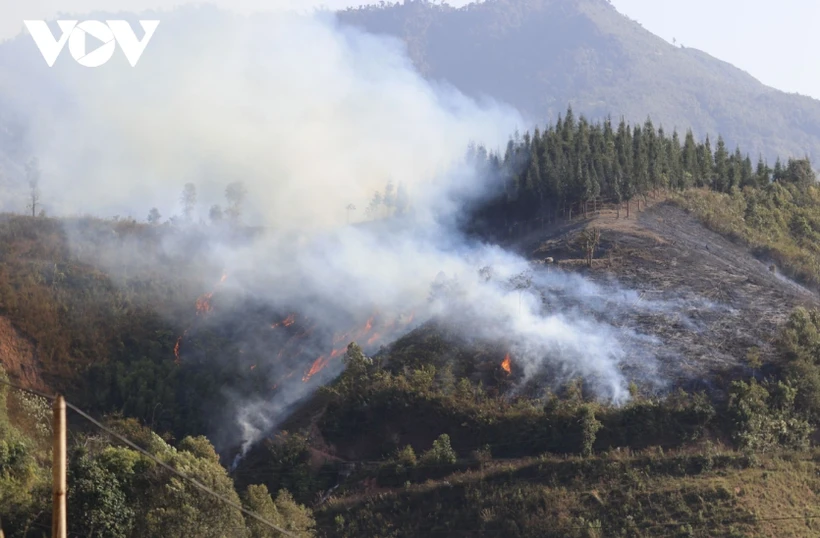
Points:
441	452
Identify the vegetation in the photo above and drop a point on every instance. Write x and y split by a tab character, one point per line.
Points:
433	424
118	492
574	165
779	221
564	466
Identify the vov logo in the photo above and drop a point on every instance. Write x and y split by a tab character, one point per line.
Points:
109	33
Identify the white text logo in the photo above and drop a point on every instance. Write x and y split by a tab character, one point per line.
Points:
109	33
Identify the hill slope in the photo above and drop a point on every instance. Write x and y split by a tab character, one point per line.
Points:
539	55
707	300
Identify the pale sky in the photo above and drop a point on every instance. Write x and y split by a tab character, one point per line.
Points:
773	41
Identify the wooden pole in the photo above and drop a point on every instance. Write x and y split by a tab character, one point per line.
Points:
58	517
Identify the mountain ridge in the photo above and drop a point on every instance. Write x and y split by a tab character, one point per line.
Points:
601	62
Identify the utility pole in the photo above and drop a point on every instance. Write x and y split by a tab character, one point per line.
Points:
58	516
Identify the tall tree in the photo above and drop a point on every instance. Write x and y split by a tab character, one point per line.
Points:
763	172
721	179
690	159
188	200
154	216
33	179
235	193
706	163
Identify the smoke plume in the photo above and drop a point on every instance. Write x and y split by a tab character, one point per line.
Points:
311	117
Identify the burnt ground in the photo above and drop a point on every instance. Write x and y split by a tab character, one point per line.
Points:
706	300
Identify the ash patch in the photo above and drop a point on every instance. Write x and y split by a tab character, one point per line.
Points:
696	301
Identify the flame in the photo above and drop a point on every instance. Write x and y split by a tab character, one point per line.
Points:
507	364
345	338
318	364
365	334
252	367
287	322
176	349
178	344
203	304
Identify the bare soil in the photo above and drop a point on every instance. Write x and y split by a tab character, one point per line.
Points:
708	301
17	355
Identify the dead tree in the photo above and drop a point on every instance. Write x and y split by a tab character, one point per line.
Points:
33	179
589	240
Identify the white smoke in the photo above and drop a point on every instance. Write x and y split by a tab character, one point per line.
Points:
311	117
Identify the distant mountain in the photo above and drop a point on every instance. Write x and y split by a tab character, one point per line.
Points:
541	55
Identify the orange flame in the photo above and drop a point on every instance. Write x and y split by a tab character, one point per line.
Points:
176	349
507	364
203	304
252	367
354	335
318	364
287	322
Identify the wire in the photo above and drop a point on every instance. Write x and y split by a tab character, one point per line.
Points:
159	462
31	391
196	483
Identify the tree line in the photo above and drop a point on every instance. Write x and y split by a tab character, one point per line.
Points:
574	163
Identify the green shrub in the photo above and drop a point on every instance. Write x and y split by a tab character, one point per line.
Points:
441	453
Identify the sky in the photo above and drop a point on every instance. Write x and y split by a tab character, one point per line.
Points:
769	40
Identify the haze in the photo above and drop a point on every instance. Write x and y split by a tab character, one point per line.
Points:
770	41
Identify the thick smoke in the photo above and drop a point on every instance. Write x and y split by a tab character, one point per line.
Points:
312	117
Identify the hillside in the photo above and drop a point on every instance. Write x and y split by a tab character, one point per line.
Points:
715	463
708	299
540	55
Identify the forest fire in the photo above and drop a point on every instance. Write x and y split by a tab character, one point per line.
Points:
317	367
203	304
506	364
367	334
287	322
347	337
176	349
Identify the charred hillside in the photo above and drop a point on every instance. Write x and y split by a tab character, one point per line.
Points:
709	301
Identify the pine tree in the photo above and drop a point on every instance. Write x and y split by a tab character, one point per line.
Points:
763	173
779	172
641	162
676	178
690	159
707	163
721	178
747	175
